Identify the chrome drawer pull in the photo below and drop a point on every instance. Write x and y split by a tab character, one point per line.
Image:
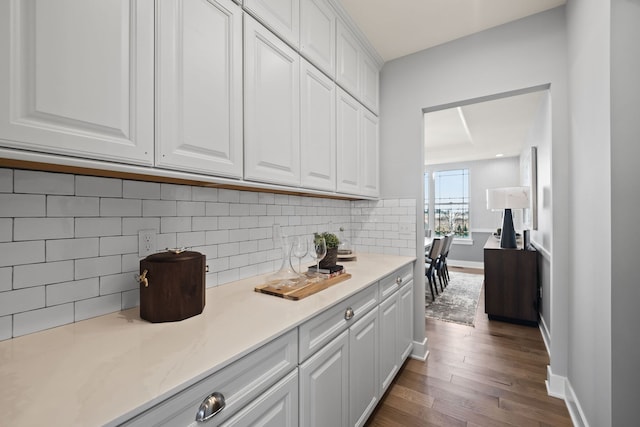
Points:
399	280
349	313
210	406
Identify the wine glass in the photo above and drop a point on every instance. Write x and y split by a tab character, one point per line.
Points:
319	251
300	250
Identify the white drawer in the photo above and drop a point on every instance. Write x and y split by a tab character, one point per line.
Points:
239	383
391	283
317	332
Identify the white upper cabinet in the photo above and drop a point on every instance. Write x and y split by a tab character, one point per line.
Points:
272	107
317	129
281	16
318	34
77	78
369	165
348	142
369	83
348	60
199	86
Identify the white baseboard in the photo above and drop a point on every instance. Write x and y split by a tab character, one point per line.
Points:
555	384
546	336
575	409
420	351
465	264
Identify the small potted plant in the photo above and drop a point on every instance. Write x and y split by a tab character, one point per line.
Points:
332	249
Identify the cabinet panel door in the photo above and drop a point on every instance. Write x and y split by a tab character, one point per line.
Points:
272	107
388	341
348	60
199	99
78	78
324	386
369	83
348	140
405	321
318	34
281	16
277	407
317	129
369	143
364	390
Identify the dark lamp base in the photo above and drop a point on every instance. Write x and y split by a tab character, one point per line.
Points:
508	237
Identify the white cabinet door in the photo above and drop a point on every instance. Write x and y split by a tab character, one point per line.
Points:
317	129
369	83
369	167
405	321
272	107
389	363
199	86
277	407
281	16
364	389
348	60
318	34
324	385
77	78
348	137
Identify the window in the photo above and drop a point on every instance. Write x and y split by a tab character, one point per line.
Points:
450	202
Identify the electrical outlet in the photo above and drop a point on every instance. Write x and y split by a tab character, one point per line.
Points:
403	227
146	242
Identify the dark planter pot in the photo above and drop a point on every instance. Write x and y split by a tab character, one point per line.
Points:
330	259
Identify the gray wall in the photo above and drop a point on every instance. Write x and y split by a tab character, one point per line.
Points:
526	53
625	235
589	308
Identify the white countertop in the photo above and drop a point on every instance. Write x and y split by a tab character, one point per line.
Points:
106	369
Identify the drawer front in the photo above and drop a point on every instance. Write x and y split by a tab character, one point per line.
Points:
395	280
239	383
317	332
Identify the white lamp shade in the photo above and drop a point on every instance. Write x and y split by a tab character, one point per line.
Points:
508	198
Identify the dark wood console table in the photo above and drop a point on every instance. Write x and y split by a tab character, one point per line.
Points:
510	283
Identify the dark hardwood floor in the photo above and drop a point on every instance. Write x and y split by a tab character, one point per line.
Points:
490	375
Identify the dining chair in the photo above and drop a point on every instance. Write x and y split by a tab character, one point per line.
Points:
430	260
441	264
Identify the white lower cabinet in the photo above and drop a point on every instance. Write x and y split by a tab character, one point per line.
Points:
405	324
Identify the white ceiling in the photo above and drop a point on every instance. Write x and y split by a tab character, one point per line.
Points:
480	131
401	27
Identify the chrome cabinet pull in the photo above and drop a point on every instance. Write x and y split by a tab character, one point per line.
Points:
210	406
349	313
399	280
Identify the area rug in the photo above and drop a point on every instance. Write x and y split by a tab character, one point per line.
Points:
459	301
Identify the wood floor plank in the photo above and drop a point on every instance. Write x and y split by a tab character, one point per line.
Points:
492	374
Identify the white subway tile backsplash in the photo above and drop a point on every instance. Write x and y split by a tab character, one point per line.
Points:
42	228
72	291
98	306
44	318
6	181
120	207
117	283
83	258
58	250
71	206
5	278
204	194
22	205
118	245
25	276
175	224
20	300
140	190
6	229
17	253
175	192
99	266
98	187
6	327
159	208
97	227
34	182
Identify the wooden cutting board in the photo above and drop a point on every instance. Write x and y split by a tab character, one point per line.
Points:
301	291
